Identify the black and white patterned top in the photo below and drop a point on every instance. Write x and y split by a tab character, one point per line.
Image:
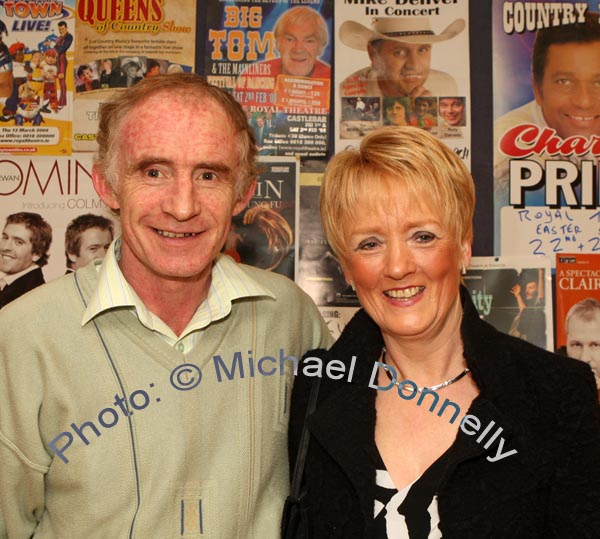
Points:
412	512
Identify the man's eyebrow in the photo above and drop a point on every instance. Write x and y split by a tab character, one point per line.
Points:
148	162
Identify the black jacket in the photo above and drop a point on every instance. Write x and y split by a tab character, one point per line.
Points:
22	285
545	403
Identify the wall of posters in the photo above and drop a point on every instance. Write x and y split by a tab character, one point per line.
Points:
402	65
36	57
114	52
547	122
275	57
514	294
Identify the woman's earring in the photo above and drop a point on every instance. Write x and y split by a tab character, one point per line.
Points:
352	285
463	269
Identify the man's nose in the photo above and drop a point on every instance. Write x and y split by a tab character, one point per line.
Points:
182	199
584	96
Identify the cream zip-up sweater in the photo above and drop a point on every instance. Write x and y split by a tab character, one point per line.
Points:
146	460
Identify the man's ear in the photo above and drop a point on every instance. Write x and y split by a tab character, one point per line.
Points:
35	258
537	92
371	51
244	200
104	189
71	257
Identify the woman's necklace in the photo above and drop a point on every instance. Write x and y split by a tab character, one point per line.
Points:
444	384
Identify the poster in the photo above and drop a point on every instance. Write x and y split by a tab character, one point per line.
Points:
401	64
117	48
578	300
36	79
264	234
58	189
275	57
514	294
546	127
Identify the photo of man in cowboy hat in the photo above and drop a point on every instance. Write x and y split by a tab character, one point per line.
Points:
400	52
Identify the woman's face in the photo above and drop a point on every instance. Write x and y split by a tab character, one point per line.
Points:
405	266
396	114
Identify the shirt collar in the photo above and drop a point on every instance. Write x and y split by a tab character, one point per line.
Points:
229	282
12	277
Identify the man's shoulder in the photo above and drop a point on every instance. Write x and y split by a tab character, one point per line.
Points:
525	114
44	304
280	286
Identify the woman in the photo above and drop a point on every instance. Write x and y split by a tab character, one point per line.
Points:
395	111
488	436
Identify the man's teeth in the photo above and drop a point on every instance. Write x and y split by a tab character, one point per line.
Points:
167	234
582	118
405	293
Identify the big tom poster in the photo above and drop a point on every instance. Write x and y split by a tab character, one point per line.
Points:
546	58
274	56
400	62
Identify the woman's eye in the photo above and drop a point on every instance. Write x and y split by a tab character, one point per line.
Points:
367	245
424	237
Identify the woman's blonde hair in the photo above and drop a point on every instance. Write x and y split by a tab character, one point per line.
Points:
426	167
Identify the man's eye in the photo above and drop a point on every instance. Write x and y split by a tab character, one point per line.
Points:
153	173
209	176
563	82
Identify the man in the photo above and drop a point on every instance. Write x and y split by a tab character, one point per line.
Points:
400	54
300	37
452	111
566	71
164	311
583	334
6	68
87	82
420	116
24	248
63	43
87	238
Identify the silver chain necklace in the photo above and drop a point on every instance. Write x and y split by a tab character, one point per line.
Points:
444	384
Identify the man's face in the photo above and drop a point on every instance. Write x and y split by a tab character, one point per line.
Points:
583	342
569	93
402	67
87	75
452	110
421	107
16	251
94	243
155	70
530	290
299	48
176	188
259	121
62	30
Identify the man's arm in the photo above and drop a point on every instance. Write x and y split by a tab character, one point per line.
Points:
6	84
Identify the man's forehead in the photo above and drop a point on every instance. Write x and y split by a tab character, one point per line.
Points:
391	44
17	230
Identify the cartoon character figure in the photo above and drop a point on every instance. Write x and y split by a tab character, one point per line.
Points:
50	74
29	106
35	76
